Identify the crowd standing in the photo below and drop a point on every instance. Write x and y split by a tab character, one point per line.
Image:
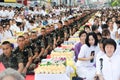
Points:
95	54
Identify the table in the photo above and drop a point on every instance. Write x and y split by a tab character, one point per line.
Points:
51	77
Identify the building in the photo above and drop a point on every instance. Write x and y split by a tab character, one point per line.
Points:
65	2
53	2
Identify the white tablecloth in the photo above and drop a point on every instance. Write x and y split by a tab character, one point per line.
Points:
51	77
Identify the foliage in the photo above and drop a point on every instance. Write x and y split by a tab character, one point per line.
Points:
115	3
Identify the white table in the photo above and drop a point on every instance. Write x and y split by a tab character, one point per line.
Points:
51	77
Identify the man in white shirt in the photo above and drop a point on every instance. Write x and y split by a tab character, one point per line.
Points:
50	21
31	25
14	27
43	12
4	15
36	11
19	18
11	13
55	20
57	11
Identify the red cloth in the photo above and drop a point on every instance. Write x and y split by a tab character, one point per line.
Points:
29	77
2	67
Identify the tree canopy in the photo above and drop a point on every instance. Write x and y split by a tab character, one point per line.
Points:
115	3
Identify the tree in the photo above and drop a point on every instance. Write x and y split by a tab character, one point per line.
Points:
115	3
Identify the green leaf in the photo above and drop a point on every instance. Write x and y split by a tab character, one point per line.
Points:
115	3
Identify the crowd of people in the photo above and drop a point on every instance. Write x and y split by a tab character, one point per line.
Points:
95	54
55	27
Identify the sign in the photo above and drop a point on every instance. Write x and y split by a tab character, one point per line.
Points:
8	1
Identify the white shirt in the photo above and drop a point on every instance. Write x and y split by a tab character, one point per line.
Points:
55	20
8	34
50	21
115	26
117	50
4	14
118	31
57	12
99	54
50	15
100	29
112	33
5	35
2	36
111	67
30	12
43	12
19	19
70	16
36	12
11	14
14	28
85	52
63	18
103	22
0	14
30	27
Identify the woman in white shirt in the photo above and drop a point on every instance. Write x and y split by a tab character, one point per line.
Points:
2	33
101	52
112	29
108	65
114	23
8	32
100	26
86	58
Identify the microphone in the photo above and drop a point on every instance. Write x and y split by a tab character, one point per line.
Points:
101	63
92	54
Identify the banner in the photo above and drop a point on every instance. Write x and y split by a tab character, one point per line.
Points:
9	1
